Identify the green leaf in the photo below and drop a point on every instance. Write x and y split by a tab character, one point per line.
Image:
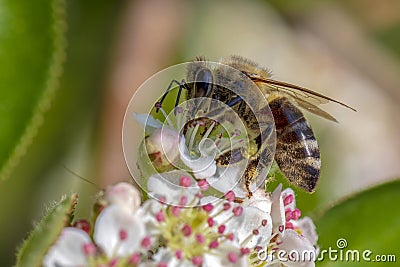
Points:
365	221
46	232
32	53
305	201
70	132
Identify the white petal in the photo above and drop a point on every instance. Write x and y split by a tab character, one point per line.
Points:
308	229
166	185
305	252
232	222
150	206
285	193
260	200
124	195
147	121
147	213
202	167
228	178
277	208
111	221
168	256
68	250
219	257
252	219
165	142
241	226
209	199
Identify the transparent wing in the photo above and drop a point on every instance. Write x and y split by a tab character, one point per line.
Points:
296	91
314	109
305	98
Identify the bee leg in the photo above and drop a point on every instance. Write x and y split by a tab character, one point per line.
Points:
250	173
238	200
234	101
230	157
249	193
181	84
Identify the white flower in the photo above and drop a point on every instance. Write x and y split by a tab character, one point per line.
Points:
226	256
72	248
278	208
162	145
256	228
203	235
295	236
123	195
253	228
307	227
148	122
295	239
203	166
171	187
119	234
228	178
298	251
195	151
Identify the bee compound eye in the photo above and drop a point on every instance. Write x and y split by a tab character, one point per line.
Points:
203	83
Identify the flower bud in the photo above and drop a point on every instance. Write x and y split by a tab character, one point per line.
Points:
124	195
162	147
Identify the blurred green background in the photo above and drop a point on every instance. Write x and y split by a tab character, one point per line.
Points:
69	68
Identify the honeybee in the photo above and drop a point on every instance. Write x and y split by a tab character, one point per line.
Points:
297	153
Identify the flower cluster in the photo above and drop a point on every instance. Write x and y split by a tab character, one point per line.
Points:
212	232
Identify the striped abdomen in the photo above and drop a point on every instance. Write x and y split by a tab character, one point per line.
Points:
297	152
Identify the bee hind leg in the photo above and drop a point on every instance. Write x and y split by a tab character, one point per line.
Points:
249	193
249	175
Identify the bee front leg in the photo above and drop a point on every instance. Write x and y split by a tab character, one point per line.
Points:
182	85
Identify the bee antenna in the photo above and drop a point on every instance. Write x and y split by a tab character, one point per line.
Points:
80	177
